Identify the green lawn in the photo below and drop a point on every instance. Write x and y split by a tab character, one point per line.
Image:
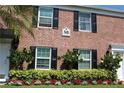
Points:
64	86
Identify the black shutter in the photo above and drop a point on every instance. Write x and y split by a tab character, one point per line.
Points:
32	65
94	22
54	58
76	64
15	43
75	50
55	18
35	16
76	16
94	58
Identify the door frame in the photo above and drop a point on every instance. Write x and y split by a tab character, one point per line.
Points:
119	49
6	41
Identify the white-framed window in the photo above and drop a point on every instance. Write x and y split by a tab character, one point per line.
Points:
84	22
45	17
43	58
86	56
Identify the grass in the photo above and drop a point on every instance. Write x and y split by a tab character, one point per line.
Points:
64	86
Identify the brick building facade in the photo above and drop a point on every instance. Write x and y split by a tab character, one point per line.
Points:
91	30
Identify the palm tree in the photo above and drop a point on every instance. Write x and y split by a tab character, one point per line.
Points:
16	18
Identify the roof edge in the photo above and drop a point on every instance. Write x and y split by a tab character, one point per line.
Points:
89	8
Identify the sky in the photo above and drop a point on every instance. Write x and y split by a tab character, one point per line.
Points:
114	7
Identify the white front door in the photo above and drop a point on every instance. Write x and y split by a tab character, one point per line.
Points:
120	71
4	61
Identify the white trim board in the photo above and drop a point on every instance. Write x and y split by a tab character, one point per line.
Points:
90	9
2	80
117	47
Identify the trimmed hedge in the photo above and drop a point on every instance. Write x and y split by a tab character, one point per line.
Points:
70	75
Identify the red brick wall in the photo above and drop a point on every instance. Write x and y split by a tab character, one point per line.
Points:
109	30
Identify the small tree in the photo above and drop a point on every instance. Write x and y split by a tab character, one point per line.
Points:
110	63
20	59
15	59
71	59
27	58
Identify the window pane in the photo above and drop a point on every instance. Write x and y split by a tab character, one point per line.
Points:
85	54
46	12
45	22
84	65
118	52
43	52
84	17
84	21
84	26
43	63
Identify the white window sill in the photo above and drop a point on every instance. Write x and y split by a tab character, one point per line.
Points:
2	80
87	31
43	27
41	69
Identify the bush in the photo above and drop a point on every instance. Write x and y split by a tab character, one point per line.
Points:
115	82
77	82
84	83
94	82
70	59
111	63
58	83
37	82
20	59
69	83
47	83
66	75
105	83
99	81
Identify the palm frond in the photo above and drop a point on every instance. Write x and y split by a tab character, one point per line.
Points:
15	18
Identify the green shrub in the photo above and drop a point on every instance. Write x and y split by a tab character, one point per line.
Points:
19	83
92	74
94	82
69	83
84	83
37	82
105	83
18	57
111	63
28	82
47	83
115	82
58	83
70	59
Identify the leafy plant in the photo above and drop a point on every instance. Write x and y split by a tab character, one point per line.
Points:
53	82
94	82
115	82
58	83
27	55
77	82
69	83
84	83
27	58
105	83
18	57
16	18
28	82
62	75
99	82
47	83
71	59
37	82
111	63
